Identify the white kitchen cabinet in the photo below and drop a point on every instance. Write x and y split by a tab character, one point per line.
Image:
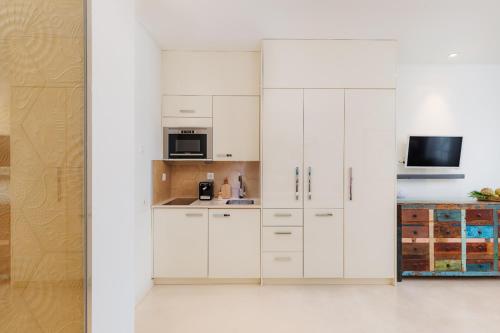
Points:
282	218
180	243
236	128
323	243
282	265
370	186
329	63
234	243
187	106
323	148
210	73
282	135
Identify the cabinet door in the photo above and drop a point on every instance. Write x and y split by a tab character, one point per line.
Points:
187	106
282	149
234	243
180	243
370	205
323	243
236	128
323	148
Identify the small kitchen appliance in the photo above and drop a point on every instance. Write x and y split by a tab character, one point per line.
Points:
206	190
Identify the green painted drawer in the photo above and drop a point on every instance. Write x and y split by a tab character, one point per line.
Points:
445	215
448	265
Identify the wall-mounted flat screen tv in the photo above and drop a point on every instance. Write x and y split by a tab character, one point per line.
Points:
434	151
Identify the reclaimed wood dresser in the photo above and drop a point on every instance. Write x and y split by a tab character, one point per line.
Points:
448	239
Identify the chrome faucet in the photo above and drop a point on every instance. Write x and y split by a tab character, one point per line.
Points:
242	190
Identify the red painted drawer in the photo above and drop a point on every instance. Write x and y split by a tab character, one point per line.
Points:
479	216
448	230
448	251
415	231
415	251
418	265
418	216
483	250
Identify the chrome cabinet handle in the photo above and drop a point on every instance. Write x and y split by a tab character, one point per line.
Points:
187	111
324	214
350	184
297	183
221	215
282	232
224	155
283	215
282	258
193	214
309	194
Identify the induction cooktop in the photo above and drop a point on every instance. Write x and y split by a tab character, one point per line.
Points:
181	201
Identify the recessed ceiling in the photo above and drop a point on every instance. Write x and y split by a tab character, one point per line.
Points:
428	31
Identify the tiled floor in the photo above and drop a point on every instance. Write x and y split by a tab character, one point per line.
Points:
428	306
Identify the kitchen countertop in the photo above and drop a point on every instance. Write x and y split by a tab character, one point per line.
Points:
214	204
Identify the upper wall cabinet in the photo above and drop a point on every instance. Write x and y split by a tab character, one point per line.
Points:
187	106
236	128
329	64
211	73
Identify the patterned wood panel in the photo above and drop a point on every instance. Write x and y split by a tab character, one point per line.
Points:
462	239
42	112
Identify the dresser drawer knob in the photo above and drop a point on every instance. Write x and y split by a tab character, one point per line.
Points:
447	216
447	265
478	214
479	232
414	215
415	232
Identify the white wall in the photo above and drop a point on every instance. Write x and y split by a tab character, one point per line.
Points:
148	140
112	130
452	100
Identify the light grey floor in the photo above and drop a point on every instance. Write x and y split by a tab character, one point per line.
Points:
470	305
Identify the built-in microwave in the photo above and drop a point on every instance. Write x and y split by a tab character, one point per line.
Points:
183	143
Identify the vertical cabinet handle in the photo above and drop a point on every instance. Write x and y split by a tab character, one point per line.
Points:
297	183
309	190
350	184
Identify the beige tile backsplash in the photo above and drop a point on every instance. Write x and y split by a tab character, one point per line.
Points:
185	176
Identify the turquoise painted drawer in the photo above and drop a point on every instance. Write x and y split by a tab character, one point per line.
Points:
479	266
445	215
483	231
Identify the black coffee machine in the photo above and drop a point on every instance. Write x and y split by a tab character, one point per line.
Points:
206	190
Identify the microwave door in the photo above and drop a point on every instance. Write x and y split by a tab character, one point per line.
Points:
187	146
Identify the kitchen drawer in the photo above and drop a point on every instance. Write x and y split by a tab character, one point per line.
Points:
482	250
448	265
414	231
187	106
282	239
415	250
448	230
479	265
479	216
409	216
448	215
416	265
448	251
282	217
282	265
483	231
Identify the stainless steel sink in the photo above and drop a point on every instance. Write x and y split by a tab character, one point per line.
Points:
240	202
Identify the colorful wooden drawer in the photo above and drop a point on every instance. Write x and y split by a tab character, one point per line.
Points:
448	251
480	265
415	216
479	216
448	215
479	231
415	231
448	265
448	230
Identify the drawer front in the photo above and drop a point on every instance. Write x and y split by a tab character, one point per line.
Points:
416	265
187	106
415	231
483	250
479	231
479	216
448	265
409	216
480	265
277	239
282	265
448	230
282	218
447	215
448	251
415	250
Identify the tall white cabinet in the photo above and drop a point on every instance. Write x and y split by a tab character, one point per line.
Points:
328	150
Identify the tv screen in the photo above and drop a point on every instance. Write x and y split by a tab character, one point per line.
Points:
434	151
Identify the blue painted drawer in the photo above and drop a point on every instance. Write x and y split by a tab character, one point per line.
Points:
479	266
445	215
483	231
